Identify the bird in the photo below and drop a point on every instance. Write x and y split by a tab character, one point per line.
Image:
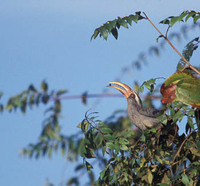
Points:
142	118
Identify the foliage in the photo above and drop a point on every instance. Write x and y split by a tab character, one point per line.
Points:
112	27
181	87
125	155
186	14
158	157
187	53
51	139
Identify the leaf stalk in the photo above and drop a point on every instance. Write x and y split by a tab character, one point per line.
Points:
165	37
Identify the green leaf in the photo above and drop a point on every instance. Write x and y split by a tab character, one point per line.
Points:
123	147
114	33
44	86
188	92
195	152
165	21
38	98
101	124
196	18
106	130
123	23
123	141
45	98
112	26
185	179
109	137
1	108
143	137
49	152
196	163
149	177
112	23
190	14
190	122
153	130
58	106
103	150
178	116
32	88
141	89
60	92
96	33
31	100
178	18
89	153
102	173
110	145
142	162
23	104
135	18
89	166
198	144
79	167
133	161
174	19
98	139
82	151
108	26
73	181
104	32
129	19
63	149
84	125
149	84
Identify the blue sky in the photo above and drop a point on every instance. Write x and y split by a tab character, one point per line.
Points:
51	40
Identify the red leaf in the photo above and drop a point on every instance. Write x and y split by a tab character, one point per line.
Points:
168	93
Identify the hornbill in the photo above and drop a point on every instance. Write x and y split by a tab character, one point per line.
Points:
143	118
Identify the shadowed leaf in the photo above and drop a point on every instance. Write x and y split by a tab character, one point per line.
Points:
181	87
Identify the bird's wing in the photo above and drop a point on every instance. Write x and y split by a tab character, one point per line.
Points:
150	112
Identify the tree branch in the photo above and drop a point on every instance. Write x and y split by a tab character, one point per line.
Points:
104	96
165	37
183	144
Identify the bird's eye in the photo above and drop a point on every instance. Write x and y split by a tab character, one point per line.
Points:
132	96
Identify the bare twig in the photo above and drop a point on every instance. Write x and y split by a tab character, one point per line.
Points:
193	143
184	68
183	144
165	37
167	31
102	96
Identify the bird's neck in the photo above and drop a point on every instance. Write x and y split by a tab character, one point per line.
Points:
133	107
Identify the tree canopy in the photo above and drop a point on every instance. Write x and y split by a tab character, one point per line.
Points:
154	157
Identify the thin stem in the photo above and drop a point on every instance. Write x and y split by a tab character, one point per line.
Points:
185	60
183	144
102	96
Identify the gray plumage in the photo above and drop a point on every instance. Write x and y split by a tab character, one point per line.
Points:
143	118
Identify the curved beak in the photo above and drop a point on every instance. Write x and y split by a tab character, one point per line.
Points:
123	88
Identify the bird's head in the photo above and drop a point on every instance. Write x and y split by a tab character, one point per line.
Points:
127	92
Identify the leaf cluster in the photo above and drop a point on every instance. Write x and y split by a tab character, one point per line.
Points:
153	158
127	156
171	20
112	27
51	139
